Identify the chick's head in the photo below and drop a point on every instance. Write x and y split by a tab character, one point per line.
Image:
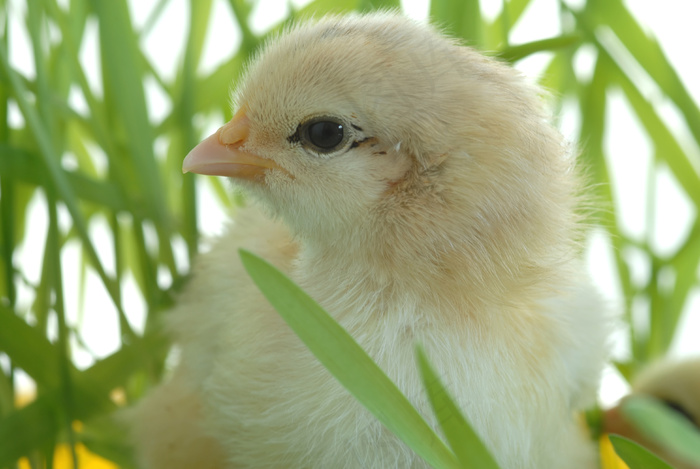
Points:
378	121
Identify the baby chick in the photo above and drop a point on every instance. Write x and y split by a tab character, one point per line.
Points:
414	188
677	384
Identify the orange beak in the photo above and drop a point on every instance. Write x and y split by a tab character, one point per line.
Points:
220	154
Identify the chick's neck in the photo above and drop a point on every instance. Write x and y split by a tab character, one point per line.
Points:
432	256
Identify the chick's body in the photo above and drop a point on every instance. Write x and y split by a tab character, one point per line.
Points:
443	213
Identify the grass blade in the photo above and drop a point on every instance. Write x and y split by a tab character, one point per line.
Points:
36	425
460	18
647	51
58	179
125	94
664	426
636	456
519	52
346	360
464	441
667	146
28	348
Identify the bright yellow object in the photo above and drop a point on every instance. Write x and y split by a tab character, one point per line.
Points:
63	459
608	458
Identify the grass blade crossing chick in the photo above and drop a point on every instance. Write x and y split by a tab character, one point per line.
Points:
415	189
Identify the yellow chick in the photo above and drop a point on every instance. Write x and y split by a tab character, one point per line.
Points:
415	189
677	384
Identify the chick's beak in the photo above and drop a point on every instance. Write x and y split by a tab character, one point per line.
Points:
220	154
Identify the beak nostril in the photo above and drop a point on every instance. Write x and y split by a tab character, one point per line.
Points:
234	132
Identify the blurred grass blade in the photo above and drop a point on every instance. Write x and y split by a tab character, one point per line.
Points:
464	441
636	456
667	147
27	429
58	179
519	52
346	360
124	93
686	261
26	168
241	11
648	53
459	18
154	16
514	9
664	426
497	33
7	235
33	426
664	320
594	104
28	349
369	5
105	438
318	8
184	137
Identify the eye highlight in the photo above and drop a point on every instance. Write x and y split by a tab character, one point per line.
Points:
323	134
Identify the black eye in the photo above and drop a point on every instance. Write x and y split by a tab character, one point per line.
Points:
323	134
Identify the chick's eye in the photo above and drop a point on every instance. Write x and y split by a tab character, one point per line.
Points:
324	135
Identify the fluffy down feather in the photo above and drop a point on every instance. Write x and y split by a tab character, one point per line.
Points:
446	215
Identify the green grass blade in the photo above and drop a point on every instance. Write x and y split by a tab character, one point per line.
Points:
685	262
514	9
124	92
519	52
41	84
318	8
459	18
28	348
647	51
346	360
154	16
184	137
108	439
593	99
27	429
58	179
241	10
664	426
497	33
37	424
7	201
7	236
7	393
369	5
53	254
636	456
667	147
464	441
26	168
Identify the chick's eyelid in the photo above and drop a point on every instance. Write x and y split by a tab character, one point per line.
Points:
295	138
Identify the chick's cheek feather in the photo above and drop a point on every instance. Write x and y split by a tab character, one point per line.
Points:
415	189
